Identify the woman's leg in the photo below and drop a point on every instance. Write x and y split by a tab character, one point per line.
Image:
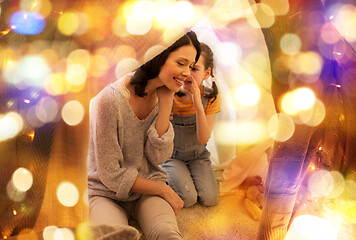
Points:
205	181
103	210
157	219
180	180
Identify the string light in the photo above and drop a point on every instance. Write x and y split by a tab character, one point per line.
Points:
14	212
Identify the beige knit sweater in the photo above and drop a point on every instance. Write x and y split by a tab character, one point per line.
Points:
123	147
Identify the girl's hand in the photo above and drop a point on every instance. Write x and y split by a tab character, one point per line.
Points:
172	198
194	91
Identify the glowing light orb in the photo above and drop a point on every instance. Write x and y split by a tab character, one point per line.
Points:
247	94
47	109
308	63
125	66
227	53
280	127
30	5
79	56
68	23
73	113
290	44
321	183
48	232
183	12
338	186
263	16
13	193
22	179
314	115
63	234
138	24
10	125
249	132
55	84
303	98
67	194
308	227
27	23
76	74
153	51
84	231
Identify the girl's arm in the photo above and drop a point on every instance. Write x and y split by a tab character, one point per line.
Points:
204	122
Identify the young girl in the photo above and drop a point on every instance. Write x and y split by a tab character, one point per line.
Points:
189	169
130	136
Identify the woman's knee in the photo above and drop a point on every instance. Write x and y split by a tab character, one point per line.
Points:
165	231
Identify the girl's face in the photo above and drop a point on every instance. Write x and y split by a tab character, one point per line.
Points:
176	69
199	73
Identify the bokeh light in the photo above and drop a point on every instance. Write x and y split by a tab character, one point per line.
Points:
67	194
300	99
10	125
321	183
308	227
125	66
76	74
280	127
27	23
262	16
247	94
22	179
48	232
228	53
80	57
72	113
307	63
63	234
314	115
290	44
84	231
13	193
68	23
345	21
47	109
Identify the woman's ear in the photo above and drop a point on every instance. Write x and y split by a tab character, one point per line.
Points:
207	73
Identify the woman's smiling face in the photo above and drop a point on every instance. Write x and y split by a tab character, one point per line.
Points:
176	69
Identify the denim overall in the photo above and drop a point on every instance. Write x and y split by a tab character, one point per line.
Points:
189	169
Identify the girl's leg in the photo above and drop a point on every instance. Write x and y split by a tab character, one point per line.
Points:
157	219
180	180
103	210
205	181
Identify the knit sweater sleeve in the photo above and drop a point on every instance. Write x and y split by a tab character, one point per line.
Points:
108	154
159	149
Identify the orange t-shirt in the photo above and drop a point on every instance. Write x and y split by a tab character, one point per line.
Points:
186	108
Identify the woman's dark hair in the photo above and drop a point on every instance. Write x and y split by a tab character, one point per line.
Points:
208	63
151	68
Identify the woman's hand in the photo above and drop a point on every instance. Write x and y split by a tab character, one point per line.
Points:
164	94
172	198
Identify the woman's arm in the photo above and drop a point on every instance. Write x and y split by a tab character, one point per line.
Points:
165	97
161	189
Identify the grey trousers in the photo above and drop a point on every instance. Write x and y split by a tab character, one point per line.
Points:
154	215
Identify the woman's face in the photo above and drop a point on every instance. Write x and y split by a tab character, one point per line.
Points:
176	69
199	73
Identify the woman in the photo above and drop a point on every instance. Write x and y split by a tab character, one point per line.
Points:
130	136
